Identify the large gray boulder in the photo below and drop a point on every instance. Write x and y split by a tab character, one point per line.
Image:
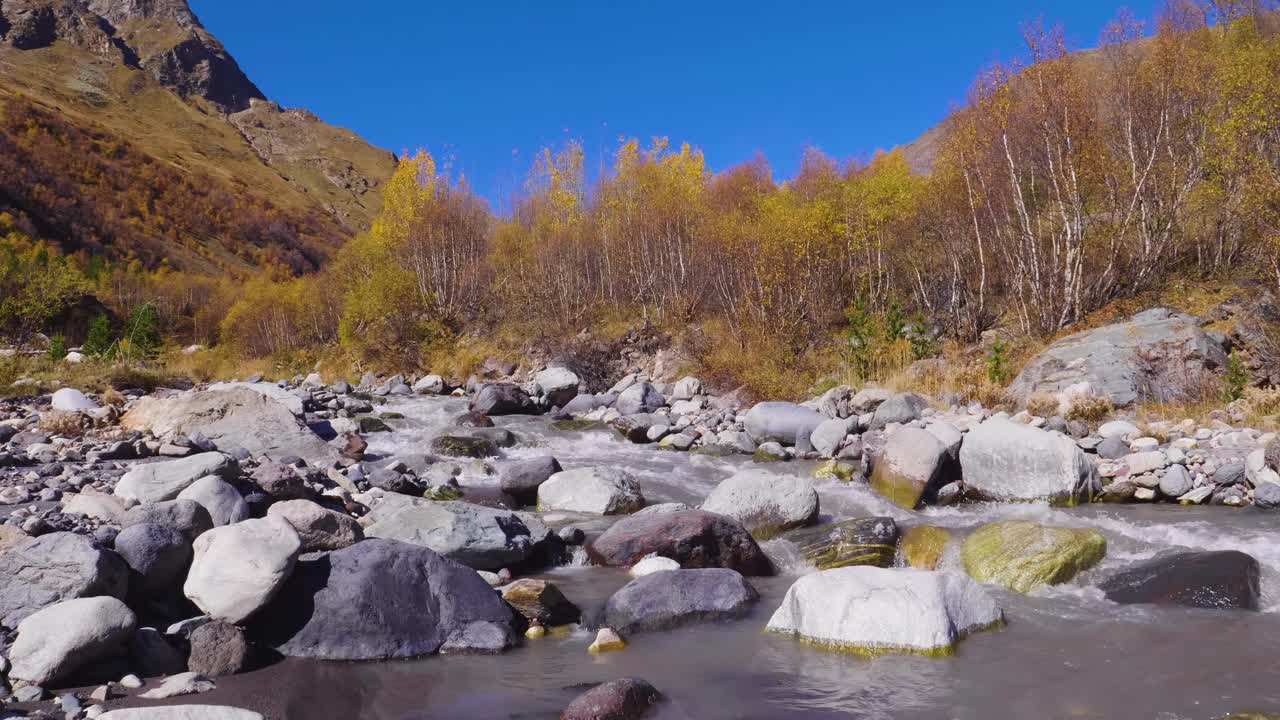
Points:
1003	460
641	397
159	481
238	568
41	571
224	502
284	396
599	490
672	598
829	436
380	599
908	469
1155	355
781	422
875	610
900	408
765	503
57	641
238	417
71	400
557	384
187	516
480	537
521	478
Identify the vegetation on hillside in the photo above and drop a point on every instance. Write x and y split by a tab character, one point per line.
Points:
1064	185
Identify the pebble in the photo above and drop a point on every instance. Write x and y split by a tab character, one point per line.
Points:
607	639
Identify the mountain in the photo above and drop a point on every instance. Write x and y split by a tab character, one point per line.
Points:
128	130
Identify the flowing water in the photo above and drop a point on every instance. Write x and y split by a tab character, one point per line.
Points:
1065	653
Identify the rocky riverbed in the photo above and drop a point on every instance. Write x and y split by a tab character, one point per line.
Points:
399	548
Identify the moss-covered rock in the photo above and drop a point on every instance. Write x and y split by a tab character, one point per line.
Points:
841	470
864	541
461	446
370	424
922	546
577	425
390	416
769	452
908	470
1023	556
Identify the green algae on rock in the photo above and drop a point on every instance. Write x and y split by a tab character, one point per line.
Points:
922	546
1023	556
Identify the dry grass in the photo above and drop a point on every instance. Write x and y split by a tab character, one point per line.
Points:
1042	404
64	424
1090	408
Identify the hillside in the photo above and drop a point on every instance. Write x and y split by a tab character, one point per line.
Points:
101	95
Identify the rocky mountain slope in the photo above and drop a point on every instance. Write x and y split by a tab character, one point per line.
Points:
146	76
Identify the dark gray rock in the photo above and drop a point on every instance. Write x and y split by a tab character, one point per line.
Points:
641	397
1112	448
186	516
671	598
463	446
1267	496
151	655
502	399
900	408
521	478
1214	580
159	557
380	599
39	572
693	538
219	649
625	699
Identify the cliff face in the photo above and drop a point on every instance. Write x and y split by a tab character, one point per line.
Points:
147	73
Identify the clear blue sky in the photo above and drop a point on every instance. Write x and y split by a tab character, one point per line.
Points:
486	84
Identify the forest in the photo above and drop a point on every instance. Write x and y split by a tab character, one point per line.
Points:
1067	181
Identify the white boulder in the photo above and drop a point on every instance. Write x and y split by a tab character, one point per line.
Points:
599	490
238	568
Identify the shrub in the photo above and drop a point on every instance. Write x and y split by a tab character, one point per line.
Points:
1236	377
66	424
1090	408
1042	404
998	363
57	348
98	342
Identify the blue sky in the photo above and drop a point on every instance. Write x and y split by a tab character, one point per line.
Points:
483	85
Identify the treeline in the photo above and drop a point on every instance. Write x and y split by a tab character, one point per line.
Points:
102	198
1064	184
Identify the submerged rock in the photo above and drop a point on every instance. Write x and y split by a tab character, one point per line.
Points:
693	538
875	610
922	546
540	601
862	541
376	600
1214	580
1023	556
672	598
625	699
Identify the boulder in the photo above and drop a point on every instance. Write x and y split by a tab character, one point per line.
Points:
861	541
280	481
155	482
829	436
107	508
237	569
900	408
652	564
874	610
1007	461
1176	481
687	388
55	642
181	712
601	490
908	469
480	537
187	516
318	529
41	571
672	598
764	502
237	417
1267	496
430	385
521	478
1148	357
558	385
625	699
463	446
693	538
158	555
641	397
284	396
1023	556
540	601
376	600
224	503
922	546
71	400
1213	580
219	649
781	422
502	399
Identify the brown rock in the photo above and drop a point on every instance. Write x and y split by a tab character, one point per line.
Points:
625	699
541	601
693	538
219	649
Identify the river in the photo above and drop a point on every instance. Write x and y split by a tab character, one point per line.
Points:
1066	651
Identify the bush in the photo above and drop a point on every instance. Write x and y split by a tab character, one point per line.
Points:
141	337
98	342
57	348
1042	404
1090	408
